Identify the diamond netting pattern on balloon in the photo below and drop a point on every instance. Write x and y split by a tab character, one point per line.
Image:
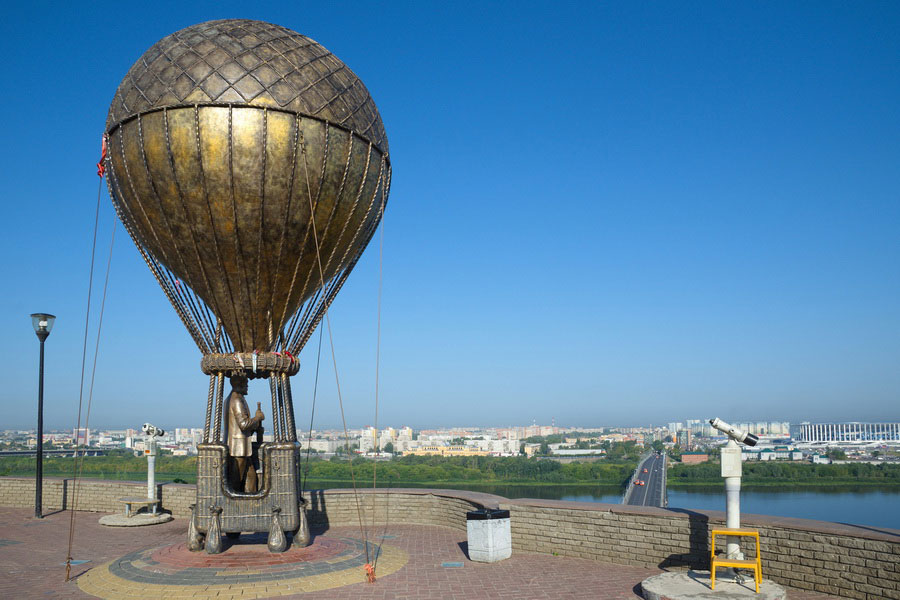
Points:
239	61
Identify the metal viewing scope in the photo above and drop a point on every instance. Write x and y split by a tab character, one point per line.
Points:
153	430
734	433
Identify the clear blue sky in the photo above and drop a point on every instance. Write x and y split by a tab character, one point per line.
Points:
611	214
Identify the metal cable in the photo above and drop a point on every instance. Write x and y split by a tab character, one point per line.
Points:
87	418
209	408
288	408
206	335
262	222
215	238
334	210
239	249
165	218
127	219
336	284
87	319
279	388
337	379
377	370
220	391
284	226
319	242
275	425
350	213
312	412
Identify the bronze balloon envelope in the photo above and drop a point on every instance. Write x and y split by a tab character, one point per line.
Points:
250	167
222	138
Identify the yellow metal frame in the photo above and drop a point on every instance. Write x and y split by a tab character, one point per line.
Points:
714	562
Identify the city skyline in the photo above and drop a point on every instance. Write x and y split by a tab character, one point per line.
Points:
599	214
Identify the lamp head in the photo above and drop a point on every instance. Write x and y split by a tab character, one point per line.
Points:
42	323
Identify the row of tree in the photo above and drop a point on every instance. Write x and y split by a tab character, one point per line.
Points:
426	469
778	471
488	469
411	469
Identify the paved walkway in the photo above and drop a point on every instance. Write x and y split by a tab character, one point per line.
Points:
414	562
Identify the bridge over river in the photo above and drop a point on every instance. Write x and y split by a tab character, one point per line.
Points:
647	486
69	452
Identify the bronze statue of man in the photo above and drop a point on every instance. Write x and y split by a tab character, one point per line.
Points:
241	473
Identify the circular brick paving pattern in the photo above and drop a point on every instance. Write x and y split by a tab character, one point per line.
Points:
244	570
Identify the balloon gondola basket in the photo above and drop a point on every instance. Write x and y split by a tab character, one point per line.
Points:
276	508
276	505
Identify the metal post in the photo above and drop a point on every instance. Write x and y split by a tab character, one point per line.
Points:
733	513
151	470
731	471
39	470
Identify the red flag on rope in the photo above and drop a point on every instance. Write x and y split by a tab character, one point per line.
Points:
101	168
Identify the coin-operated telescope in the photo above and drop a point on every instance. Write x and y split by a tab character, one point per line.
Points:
734	433
152	432
731	472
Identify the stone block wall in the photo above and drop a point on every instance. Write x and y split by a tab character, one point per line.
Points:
94	495
446	508
843	560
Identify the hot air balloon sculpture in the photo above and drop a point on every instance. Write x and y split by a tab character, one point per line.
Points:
250	167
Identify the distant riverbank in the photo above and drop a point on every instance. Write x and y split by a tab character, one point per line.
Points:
470	472
777	474
780	483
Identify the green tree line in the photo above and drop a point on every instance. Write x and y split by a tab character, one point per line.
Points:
411	469
789	472
486	469
425	469
118	465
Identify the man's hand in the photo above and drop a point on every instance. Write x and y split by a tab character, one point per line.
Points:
259	416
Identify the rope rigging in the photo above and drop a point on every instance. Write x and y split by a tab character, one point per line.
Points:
79	456
337	380
196	315
371	575
312	416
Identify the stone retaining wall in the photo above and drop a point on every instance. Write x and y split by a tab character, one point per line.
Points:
93	494
446	508
842	560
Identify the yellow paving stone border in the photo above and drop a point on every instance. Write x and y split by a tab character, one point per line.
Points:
100	582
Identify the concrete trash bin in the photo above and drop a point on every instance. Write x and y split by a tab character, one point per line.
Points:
489	537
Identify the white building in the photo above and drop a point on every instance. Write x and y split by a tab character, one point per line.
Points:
81	437
367	439
849	432
320	445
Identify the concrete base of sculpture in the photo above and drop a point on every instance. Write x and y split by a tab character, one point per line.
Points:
138	520
694	585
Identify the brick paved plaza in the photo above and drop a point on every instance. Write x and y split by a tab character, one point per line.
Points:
414	561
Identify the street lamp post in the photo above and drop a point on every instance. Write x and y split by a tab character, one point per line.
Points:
42	323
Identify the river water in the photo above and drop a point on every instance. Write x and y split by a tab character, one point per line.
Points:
856	505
